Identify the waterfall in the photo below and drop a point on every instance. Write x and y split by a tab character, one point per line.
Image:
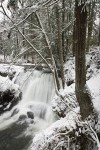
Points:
38	91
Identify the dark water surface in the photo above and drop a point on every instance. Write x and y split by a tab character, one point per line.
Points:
13	138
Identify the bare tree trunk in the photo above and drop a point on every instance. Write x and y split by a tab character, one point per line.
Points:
83	97
63	32
99	29
90	23
74	39
59	32
50	50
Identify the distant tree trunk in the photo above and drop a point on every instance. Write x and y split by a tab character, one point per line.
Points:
17	41
83	97
99	30
4	53
59	33
74	36
74	39
90	23
63	32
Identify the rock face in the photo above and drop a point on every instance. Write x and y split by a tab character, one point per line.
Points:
30	114
22	117
8	100
5	74
10	94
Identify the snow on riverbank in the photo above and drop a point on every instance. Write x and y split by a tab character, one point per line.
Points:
6	84
8	68
49	138
70	108
51	135
44	139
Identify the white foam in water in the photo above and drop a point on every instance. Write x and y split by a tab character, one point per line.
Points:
38	91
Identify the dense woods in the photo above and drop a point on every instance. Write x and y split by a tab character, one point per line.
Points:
49	32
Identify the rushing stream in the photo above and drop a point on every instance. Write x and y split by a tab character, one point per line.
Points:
32	114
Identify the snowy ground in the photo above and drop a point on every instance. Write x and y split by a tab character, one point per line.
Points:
42	140
6	84
9	68
93	75
68	122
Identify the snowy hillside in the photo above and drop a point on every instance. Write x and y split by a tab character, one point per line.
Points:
52	137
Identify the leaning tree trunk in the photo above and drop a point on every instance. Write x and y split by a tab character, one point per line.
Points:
83	97
47	42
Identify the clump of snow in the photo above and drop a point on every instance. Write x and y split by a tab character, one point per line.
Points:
6	84
10	69
62	107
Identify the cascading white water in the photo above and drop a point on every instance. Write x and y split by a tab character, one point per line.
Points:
38	91
16	127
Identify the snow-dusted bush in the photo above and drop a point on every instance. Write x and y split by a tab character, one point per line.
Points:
65	104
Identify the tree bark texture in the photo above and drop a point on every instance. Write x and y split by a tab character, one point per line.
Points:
83	98
99	30
63	32
90	23
59	33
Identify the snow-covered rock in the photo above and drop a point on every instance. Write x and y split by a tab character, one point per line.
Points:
10	94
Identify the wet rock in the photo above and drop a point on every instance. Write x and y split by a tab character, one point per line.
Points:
22	117
10	75
10	94
30	114
8	100
3	74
